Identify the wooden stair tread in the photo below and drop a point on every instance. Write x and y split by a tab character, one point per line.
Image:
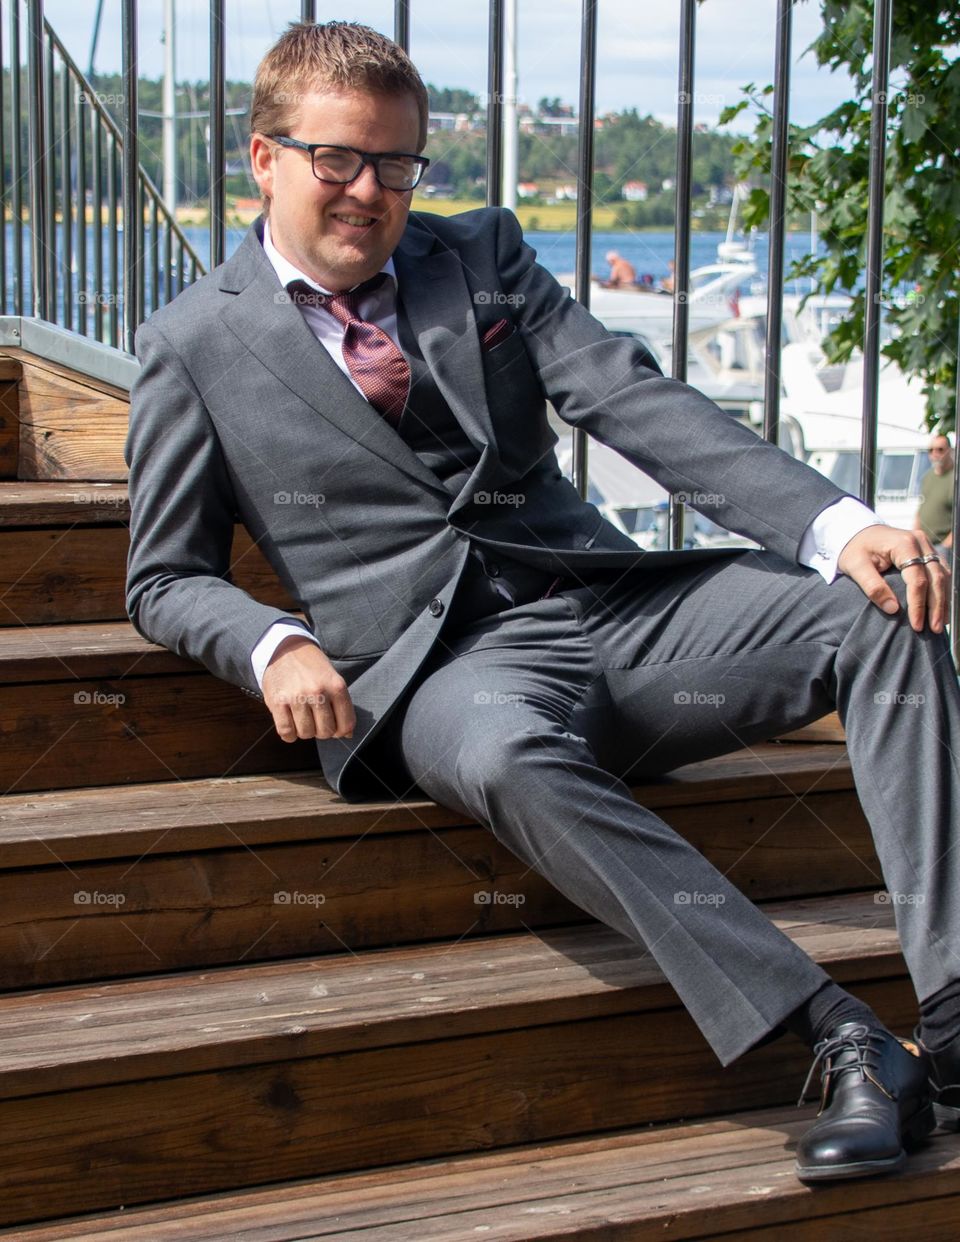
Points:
727	1176
201	1020
83	649
27	502
74	825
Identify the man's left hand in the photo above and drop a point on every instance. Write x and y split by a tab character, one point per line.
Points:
879	548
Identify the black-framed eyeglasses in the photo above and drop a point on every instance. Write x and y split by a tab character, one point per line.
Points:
340	165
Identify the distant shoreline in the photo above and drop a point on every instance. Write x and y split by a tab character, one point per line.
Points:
534	218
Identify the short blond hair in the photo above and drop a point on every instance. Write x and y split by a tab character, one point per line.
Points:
331	56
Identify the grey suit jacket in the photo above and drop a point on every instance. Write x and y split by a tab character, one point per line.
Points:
239	412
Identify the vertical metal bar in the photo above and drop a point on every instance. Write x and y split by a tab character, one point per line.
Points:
66	254
38	185
168	262
82	301
681	243
401	23
179	266
154	254
218	234
16	159
97	204
3	190
141	254
49	225
588	71
132	215
112	226
954	545
778	215
882	16
495	104
308	10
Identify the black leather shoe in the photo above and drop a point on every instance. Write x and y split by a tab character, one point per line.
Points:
875	1104
944	1069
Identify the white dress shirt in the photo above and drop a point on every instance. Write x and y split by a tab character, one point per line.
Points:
821	545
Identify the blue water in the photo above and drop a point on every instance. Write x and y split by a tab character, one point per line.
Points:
648	252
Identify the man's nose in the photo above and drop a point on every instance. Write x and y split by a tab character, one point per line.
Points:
365	187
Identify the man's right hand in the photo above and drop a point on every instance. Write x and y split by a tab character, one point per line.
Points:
306	694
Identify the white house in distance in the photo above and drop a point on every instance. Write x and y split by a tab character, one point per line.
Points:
635	191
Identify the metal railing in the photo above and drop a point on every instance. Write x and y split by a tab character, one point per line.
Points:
74	169
75	151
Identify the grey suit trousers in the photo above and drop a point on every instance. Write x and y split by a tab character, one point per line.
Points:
529	720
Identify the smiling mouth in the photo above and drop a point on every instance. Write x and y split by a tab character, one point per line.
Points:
360	222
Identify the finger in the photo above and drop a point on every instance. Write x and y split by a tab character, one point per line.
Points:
873	585
916	580
283	722
316	718
343	709
938	580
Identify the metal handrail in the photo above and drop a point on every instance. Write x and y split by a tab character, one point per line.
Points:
70	127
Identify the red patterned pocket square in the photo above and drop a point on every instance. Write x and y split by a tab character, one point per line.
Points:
496	333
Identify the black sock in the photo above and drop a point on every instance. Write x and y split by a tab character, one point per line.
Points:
827	1008
940	1017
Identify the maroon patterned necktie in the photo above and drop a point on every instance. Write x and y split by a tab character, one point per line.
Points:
372	358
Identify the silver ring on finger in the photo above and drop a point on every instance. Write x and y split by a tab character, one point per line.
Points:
928	560
914	560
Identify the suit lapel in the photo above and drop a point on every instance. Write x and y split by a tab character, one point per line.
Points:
274	331
438	305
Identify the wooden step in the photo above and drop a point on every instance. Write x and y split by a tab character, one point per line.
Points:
84	705
10	372
198	1082
729	1178
63	552
166	876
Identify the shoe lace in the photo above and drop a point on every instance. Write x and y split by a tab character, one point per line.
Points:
859	1040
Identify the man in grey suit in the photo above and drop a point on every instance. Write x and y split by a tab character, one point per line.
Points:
365	389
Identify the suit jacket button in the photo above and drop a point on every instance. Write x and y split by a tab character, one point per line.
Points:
436	607
493	569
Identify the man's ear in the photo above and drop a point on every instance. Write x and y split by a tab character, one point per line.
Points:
261	163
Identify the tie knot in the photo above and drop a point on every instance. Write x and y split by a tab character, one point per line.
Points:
343	306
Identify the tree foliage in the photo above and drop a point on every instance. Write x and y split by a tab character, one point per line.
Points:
828	172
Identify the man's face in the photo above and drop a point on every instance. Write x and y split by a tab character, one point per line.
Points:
941	456
338	234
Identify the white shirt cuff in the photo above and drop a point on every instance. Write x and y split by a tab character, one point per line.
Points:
830	532
263	652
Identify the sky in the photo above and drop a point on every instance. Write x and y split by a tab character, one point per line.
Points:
637	47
